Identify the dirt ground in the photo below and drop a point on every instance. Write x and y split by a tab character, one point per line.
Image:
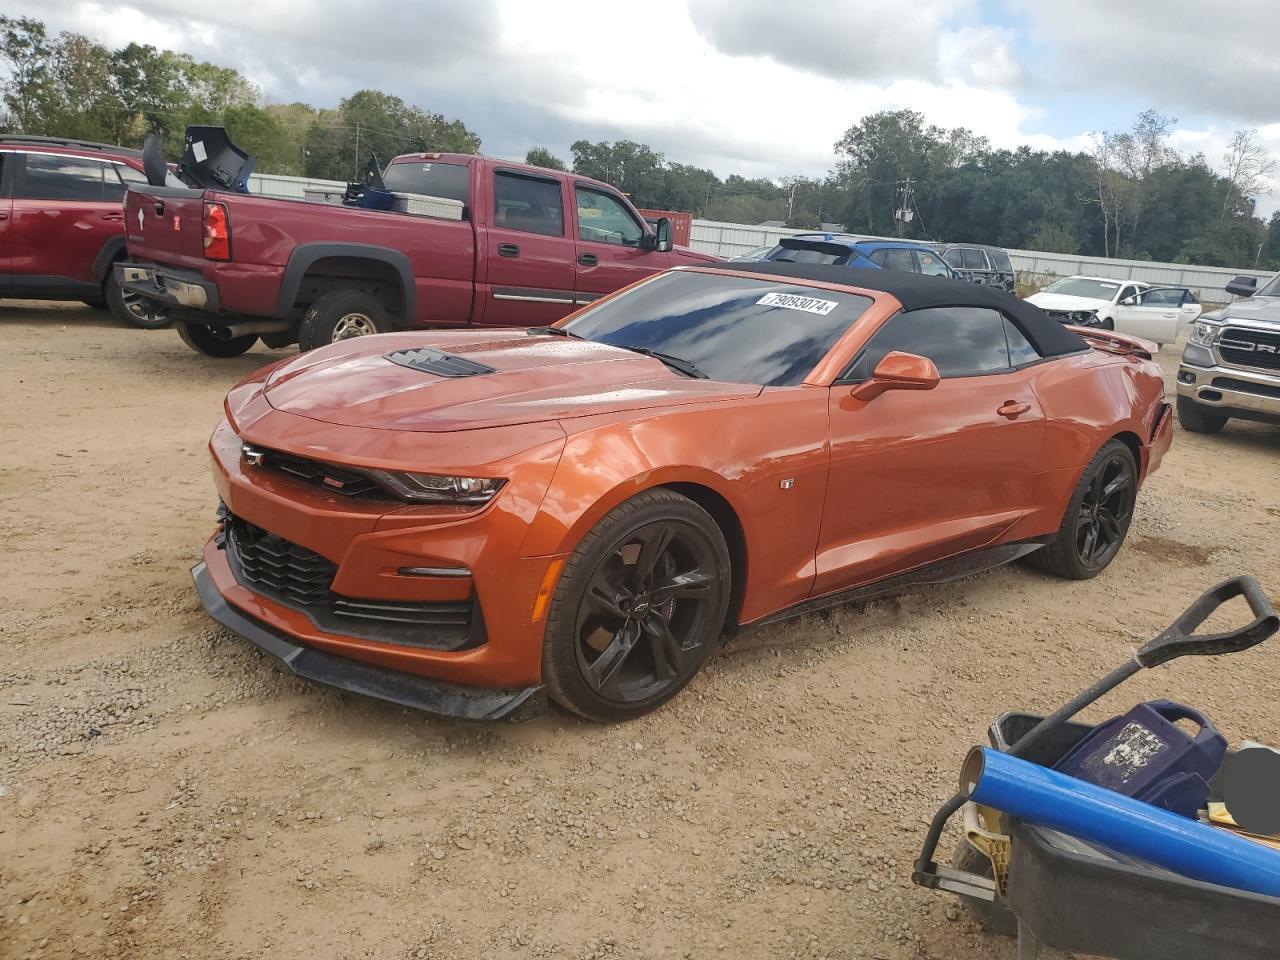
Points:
166	791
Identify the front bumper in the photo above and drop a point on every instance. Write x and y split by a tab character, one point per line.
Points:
1245	394
407	690
179	290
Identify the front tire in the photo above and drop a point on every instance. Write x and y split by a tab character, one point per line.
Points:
202	339
131	309
1194	418
1097	518
638	608
341	315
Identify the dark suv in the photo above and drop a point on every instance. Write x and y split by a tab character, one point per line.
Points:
62	223
979	263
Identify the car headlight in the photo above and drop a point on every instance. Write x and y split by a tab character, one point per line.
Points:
1083	318
437	488
1204	333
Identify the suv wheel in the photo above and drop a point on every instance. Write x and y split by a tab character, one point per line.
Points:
341	315
1097	518
205	339
1195	418
132	309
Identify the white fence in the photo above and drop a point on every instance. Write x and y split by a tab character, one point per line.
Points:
1034	268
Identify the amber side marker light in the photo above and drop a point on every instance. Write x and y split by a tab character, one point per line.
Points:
543	598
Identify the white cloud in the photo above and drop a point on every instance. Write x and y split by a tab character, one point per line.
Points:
756	87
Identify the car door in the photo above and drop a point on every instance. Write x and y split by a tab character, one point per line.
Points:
611	249
61	217
977	267
1154	314
931	265
6	214
895	258
919	476
529	258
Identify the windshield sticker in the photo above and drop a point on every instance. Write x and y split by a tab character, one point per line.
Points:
791	301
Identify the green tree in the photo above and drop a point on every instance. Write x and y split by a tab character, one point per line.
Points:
25	48
542	157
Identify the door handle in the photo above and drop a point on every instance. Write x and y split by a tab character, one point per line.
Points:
159	209
4	216
588	259
508	250
1012	409
113	217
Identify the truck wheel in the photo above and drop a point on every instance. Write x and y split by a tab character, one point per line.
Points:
131	309
1194	418
341	315
205	339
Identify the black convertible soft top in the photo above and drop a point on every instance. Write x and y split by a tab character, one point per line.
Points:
915	291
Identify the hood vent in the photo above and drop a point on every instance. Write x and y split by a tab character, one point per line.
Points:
438	363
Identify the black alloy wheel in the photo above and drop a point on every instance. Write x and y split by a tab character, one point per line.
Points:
1106	510
1098	517
639	608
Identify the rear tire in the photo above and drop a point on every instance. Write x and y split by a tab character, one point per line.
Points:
202	339
993	915
1097	518
341	315
638	609
98	304
131	309
1194	418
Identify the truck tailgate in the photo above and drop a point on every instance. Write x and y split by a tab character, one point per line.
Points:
163	224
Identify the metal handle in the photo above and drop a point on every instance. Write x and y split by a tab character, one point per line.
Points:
588	259
113	217
159	209
1179	639
1012	409
508	250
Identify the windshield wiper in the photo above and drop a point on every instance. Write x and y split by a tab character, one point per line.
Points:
675	363
553	332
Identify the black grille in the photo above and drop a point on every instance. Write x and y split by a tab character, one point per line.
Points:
439	363
1244	386
273	566
349	483
1243	347
302	579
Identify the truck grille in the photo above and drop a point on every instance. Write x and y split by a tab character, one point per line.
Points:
1243	347
302	580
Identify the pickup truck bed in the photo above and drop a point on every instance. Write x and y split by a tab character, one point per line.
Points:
532	246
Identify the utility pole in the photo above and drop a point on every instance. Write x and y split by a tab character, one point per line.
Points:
904	214
357	167
791	200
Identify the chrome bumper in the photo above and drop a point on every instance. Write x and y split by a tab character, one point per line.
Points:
1230	388
168	286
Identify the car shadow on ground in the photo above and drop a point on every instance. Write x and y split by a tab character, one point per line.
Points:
19	313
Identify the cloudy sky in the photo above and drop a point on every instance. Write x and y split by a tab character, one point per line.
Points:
757	87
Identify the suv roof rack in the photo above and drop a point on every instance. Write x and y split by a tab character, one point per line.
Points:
9	138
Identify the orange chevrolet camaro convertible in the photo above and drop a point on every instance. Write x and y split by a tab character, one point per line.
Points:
459	521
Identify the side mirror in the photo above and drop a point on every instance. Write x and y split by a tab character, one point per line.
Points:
899	371
1129	302
661	237
1243	286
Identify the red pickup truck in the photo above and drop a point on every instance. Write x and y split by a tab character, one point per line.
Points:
530	246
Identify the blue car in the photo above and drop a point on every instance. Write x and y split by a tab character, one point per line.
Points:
845	250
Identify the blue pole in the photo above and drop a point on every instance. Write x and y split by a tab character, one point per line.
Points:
1042	796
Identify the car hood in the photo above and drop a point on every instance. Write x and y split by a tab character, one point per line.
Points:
1062	301
1261	309
530	379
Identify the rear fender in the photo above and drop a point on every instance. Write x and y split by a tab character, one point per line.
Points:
305	255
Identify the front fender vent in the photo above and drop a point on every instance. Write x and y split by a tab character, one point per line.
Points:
438	363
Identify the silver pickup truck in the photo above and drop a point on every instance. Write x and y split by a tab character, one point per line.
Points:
1231	365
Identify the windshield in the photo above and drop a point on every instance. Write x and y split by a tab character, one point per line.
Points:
1272	289
432	178
1082	287
765	331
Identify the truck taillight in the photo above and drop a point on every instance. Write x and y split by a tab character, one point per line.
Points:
216	232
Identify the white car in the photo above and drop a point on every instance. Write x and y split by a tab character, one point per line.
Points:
1126	306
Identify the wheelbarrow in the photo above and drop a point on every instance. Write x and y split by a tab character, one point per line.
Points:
1051	889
